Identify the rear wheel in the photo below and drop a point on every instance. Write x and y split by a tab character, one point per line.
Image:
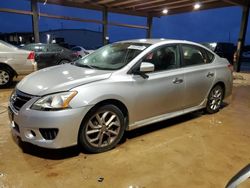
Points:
102	129
5	77
215	99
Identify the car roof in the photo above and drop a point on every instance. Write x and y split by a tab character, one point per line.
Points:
42	44
155	41
164	41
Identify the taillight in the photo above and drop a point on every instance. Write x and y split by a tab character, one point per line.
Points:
31	56
231	67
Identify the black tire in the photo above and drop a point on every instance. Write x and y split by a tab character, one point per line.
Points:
215	99
99	131
63	61
6	77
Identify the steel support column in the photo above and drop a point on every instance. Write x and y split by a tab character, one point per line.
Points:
149	25
242	36
35	21
105	26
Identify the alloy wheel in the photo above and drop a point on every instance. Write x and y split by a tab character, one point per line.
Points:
215	98
4	77
102	129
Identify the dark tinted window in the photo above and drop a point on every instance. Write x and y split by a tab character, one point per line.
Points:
35	47
193	55
54	48
210	56
163	58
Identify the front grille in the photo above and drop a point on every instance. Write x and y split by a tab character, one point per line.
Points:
18	99
49	134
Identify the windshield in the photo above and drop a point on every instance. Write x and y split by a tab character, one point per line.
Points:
112	57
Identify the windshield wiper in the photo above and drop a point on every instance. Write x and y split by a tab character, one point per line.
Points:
102	68
84	65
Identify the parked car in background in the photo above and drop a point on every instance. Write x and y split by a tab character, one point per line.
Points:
246	53
14	62
223	49
50	54
121	86
80	51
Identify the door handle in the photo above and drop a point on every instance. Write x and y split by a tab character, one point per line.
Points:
177	80
210	74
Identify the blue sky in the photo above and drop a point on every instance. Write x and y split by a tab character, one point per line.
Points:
221	24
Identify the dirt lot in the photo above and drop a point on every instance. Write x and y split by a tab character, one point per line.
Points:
194	150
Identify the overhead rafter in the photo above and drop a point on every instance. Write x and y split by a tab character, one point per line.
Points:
236	2
146	8
211	5
149	3
174	5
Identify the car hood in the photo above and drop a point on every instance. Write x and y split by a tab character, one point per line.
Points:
59	78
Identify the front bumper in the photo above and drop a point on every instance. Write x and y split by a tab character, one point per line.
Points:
26	123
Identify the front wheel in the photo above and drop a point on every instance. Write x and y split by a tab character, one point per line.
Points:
215	99
102	129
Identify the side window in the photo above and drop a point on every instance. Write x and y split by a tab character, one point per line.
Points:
54	48
164	58
39	48
193	55
210	56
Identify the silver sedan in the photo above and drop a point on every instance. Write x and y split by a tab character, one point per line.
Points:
121	86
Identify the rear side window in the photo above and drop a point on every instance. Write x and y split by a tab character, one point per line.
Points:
210	56
40	48
193	55
36	48
54	48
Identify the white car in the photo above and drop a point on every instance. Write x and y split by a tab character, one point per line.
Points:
14	62
80	51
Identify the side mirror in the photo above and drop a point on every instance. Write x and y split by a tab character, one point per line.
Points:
147	67
241	176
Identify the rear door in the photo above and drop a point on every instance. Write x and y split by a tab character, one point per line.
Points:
199	74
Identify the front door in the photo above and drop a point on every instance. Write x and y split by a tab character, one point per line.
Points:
162	91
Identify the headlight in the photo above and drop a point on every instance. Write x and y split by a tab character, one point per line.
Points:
56	101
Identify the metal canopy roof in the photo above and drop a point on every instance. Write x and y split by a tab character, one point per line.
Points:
147	7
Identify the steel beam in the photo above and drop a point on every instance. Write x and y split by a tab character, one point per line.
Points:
242	36
105	26
35	21
149	25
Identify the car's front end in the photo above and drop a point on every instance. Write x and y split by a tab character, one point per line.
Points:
45	107
50	124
